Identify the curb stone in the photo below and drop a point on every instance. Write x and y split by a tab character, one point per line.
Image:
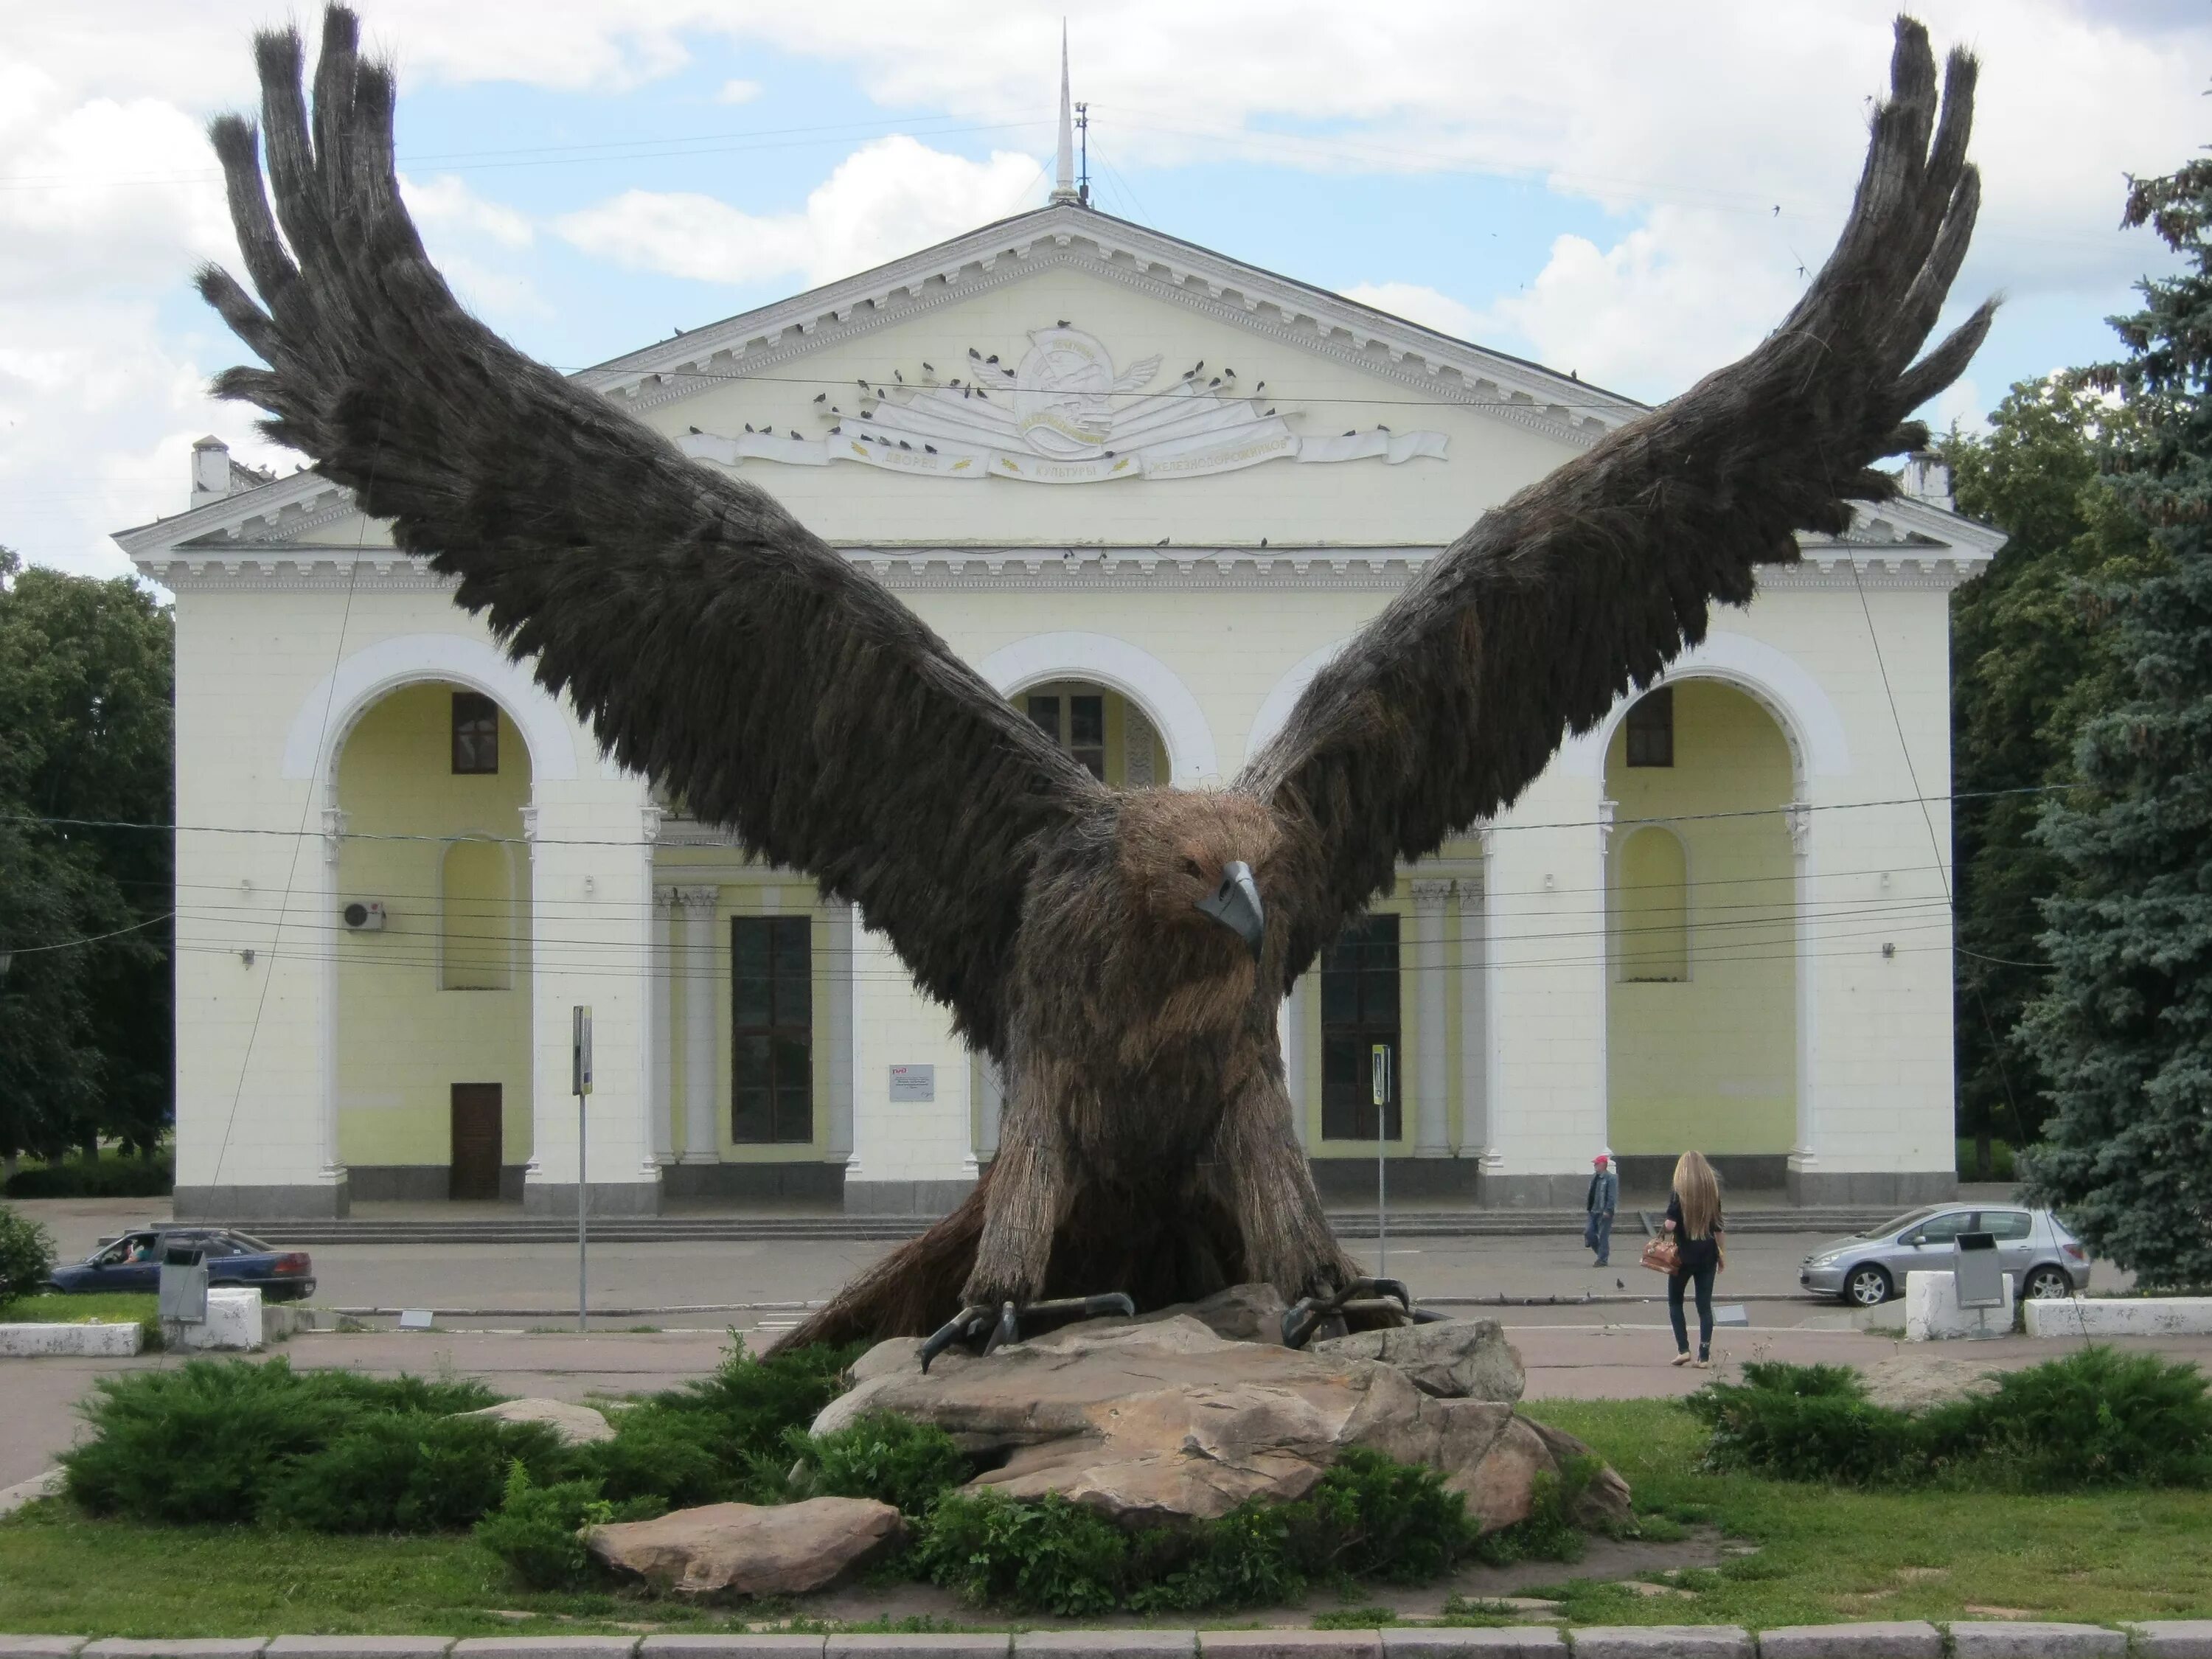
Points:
1106	1644
546	1647
767	1644
41	1647
117	1646
358	1647
2026	1639
1292	1644
978	1646
1912	1639
2160	1638
1661	1642
1473	1641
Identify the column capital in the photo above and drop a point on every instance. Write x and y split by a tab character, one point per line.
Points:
1605	810
1431	893
649	822
334	823
529	815
694	898
1798	816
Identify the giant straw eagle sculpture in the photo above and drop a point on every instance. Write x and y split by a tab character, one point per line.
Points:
1121	952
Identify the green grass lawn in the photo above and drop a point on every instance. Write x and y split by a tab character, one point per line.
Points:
114	1307
1823	1555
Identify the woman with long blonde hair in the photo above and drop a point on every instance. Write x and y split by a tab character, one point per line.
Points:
1694	1222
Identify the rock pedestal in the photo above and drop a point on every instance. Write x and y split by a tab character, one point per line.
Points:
1165	1421
749	1549
577	1425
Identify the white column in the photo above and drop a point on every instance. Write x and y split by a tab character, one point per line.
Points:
325	899
1474	1017
844	989
663	1026
1805	1160
1291	1026
1431	1067
702	1145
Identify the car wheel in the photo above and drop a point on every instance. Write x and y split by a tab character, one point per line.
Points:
1869	1286
2048	1283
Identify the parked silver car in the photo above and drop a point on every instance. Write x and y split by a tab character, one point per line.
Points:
2033	1246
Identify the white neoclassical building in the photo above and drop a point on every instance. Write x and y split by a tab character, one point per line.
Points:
1147	491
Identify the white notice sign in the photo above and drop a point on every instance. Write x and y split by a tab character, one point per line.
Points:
914	1083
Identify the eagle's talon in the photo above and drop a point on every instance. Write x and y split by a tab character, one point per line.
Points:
965	1323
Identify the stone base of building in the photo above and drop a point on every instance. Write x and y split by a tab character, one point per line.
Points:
929	1198
1498	1191
422	1183
1900	1188
308	1201
1744	1172
558	1198
811	1179
1350	1180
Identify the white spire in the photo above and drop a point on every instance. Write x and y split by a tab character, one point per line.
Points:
1063	189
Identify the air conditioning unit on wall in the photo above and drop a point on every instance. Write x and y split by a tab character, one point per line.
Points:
364	916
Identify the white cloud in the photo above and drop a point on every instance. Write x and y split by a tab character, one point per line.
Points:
738	92
1419	304
891	197
447	200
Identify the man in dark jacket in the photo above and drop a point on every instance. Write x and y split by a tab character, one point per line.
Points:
1603	1199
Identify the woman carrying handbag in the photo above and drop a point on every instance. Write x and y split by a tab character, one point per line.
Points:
1690	1249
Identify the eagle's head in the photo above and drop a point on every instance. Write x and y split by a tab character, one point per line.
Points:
1188	858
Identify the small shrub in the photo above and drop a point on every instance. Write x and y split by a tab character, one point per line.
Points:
677	1456
1047	1557
1374	1518
1368	1617
1810	1423
1549	1531
27	1257
905	1464
97	1177
536	1530
397	1472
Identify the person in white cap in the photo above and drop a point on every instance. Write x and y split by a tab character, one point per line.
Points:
1604	1199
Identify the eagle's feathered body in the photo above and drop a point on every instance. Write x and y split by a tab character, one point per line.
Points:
1121	954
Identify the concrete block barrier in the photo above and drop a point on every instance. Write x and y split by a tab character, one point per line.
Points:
358	1647
2120	1316
71	1342
2169	1639
766	1645
222	1647
1106	1644
1661	1642
546	1647
1932	1313
1908	1639
1474	1642
1291	1644
981	1645
2026	1639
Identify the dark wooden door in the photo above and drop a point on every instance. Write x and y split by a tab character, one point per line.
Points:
475	1140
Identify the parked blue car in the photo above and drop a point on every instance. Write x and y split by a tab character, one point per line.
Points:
133	1262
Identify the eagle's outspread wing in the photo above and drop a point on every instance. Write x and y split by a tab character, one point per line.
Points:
714	644
1535	622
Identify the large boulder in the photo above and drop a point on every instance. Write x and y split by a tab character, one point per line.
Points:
1165	1421
747	1549
577	1425
1452	1360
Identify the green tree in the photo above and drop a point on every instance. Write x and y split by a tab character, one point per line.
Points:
2028	662
2125	1028
86	1030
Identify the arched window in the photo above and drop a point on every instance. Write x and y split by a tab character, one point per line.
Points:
477	919
1651	897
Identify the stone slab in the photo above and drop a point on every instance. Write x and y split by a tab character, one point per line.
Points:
40	1647
12	1498
736	1645
545	1647
2024	1638
227	1647
1473	1641
1661	1642
1902	1640
1292	1644
2156	1638
358	1647
86	1341
1105	1643
2120	1316
979	1645
1932	1313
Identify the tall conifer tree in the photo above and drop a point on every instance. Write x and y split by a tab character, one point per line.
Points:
2125	1031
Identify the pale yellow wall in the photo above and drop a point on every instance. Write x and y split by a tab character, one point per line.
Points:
403	1041
1708	1061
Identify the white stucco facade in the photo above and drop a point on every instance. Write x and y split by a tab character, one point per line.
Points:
1193	592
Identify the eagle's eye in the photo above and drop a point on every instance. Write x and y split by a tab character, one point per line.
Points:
1191	867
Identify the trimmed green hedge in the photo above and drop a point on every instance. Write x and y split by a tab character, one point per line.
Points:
97	1177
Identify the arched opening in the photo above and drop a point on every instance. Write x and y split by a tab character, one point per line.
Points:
1106	731
1701	931
431	934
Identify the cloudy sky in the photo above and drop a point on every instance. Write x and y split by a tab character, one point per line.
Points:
1628	191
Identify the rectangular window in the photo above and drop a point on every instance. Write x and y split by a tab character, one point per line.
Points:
476	733
772	1030
1651	729
1045	711
1359	1010
1086	733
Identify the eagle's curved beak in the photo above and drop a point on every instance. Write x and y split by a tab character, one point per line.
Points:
1236	905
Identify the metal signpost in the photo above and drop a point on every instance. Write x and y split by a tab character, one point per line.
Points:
580	1081
1379	1067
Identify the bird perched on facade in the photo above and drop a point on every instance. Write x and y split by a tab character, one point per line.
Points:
1120	953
